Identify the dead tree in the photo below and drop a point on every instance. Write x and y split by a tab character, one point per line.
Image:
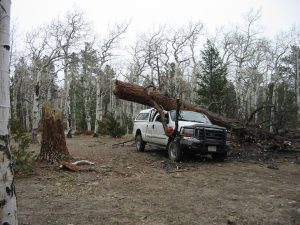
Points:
53	146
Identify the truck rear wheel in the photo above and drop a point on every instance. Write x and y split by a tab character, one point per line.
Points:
139	143
174	151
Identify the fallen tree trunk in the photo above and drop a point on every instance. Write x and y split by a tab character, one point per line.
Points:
244	133
154	98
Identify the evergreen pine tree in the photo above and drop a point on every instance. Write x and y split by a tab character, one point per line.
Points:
212	82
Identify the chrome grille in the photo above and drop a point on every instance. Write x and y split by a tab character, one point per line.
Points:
207	133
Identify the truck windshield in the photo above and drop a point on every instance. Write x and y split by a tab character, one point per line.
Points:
190	116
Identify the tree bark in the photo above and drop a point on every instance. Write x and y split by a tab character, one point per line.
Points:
154	98
67	107
8	201
98	105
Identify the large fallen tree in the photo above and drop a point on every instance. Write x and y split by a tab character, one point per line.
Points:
248	132
153	98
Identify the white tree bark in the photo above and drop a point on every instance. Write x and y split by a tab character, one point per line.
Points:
27	116
98	105
104	57
281	47
87	113
8	202
67	105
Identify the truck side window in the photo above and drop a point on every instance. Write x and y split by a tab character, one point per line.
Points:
142	116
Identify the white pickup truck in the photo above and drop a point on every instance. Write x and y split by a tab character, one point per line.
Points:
196	133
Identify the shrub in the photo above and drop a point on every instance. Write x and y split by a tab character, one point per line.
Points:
111	127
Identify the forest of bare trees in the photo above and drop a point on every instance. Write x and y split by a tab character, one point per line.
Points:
65	64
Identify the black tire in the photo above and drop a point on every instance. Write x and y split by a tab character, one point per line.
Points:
220	157
139	143
174	151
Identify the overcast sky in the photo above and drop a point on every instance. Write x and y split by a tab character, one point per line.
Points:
277	15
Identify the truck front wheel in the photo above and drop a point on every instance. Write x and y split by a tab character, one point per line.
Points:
139	143
174	151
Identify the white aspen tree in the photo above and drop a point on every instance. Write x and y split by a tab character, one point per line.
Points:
49	81
98	105
104	56
19	90
138	66
8	201
180	41
152	53
36	105
87	113
195	70
281	46
27	116
241	46
42	55
88	60
68	35
253	75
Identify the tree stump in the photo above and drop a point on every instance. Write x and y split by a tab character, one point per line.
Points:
53	146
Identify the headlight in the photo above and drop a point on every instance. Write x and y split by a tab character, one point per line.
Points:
187	132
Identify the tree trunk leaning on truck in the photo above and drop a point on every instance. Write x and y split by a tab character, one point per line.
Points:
153	98
142	95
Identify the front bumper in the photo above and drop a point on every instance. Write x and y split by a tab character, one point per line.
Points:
203	146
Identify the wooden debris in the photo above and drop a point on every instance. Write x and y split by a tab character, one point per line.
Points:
73	167
83	162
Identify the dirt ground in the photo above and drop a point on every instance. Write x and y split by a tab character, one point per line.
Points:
130	187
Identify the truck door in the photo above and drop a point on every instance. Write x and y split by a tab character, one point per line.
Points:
158	133
149	130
